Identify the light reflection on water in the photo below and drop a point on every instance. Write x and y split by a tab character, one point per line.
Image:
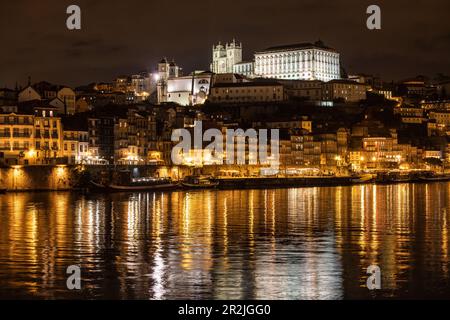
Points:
306	243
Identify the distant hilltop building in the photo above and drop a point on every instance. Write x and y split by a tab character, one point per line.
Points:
226	56
245	68
184	90
303	61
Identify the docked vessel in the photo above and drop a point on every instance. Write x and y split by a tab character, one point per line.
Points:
199	182
435	177
365	178
394	177
137	184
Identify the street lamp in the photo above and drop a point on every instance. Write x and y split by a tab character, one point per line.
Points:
31	153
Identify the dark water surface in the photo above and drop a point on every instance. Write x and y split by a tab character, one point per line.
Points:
306	243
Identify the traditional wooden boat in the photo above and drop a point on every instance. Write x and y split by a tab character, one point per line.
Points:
435	177
137	185
199	182
393	177
401	178
365	178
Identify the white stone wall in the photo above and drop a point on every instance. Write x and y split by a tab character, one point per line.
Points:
304	64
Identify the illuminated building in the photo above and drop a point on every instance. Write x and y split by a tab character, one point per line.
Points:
245	68
101	138
76	142
247	92
370	81
305	61
436	154
17	139
302	123
382	152
441	117
440	104
48	136
61	97
30	139
347	90
142	85
285	149
228	78
134	138
189	90
226	57
310	89
172	87
136	88
122	84
183	90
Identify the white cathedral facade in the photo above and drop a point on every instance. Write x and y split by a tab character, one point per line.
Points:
226	56
187	90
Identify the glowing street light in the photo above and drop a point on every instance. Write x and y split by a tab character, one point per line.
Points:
31	153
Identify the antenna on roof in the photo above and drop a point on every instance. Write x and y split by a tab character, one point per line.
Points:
29	80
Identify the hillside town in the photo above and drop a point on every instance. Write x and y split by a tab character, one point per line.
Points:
330	122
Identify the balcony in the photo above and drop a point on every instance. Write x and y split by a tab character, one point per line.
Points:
21	135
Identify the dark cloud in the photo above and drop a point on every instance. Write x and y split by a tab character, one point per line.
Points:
128	36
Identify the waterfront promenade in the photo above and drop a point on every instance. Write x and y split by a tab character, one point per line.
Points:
67	178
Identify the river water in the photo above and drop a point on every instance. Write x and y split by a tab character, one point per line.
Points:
304	243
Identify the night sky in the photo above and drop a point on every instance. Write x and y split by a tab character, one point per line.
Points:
128	36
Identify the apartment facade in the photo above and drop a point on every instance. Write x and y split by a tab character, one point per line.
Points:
30	139
247	92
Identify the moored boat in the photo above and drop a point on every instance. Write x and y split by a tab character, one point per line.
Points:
136	185
365	178
393	177
435	177
199	182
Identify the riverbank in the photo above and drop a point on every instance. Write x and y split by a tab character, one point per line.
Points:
73	178
288	182
39	178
